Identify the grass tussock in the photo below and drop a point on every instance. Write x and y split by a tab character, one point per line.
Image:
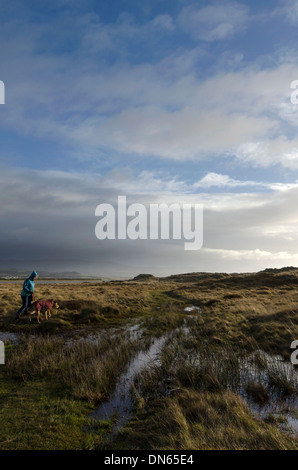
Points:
192	420
192	399
257	391
86	370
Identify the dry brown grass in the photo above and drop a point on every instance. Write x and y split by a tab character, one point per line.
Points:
249	312
86	370
192	420
255	311
124	299
123	295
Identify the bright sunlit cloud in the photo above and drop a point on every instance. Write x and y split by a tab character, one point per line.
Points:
160	101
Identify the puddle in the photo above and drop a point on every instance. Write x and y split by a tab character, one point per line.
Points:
258	367
279	404
270	374
293	422
134	331
8	337
121	404
193	308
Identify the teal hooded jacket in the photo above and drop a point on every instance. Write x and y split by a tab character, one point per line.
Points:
28	286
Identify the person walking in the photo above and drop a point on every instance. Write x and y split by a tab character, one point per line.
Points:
27	294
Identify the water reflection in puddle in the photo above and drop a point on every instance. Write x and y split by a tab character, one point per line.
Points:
193	308
267	369
121	402
8	337
279	407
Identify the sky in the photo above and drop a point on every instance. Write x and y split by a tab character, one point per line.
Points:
163	101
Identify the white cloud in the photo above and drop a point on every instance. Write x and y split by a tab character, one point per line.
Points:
146	182
118	36
214	179
289	9
218	21
138	109
161	109
185	134
164	21
255	255
280	150
211	180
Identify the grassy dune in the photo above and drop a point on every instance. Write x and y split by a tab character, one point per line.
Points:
50	383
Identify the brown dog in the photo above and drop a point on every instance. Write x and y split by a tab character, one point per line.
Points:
45	305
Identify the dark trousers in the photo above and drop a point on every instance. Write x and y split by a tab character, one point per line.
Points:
27	301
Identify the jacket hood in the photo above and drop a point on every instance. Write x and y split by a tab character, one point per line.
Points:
32	275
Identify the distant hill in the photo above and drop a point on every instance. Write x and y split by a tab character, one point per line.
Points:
280	270
145	277
270	276
22	274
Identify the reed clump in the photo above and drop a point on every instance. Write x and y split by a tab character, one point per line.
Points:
87	370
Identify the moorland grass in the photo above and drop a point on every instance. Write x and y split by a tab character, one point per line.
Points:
191	400
48	388
49	385
191	419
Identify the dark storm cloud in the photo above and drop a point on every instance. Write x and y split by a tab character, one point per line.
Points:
48	223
